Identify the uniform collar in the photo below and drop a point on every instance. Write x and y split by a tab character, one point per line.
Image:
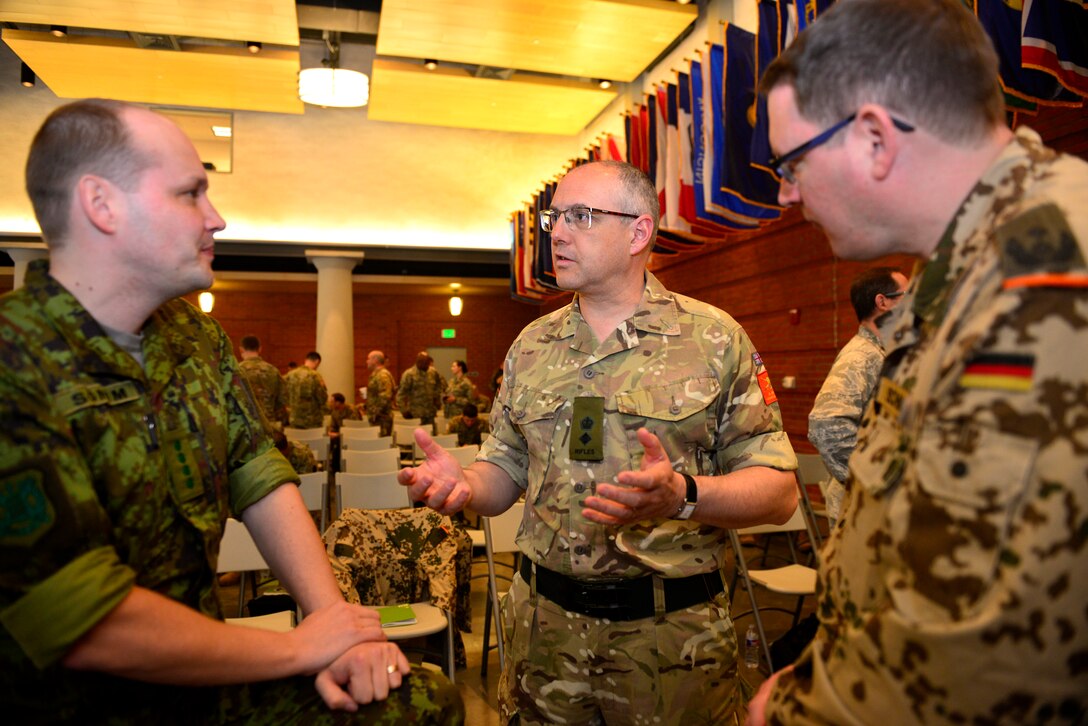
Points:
657	312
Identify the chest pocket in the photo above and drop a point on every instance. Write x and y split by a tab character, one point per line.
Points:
536	414
679	413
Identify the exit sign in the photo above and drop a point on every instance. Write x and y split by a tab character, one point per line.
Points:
449	333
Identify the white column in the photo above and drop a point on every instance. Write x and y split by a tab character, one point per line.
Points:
335	320
22	257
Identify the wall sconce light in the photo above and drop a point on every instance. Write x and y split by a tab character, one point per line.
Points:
206	301
456	304
604	84
26	76
430	64
253	46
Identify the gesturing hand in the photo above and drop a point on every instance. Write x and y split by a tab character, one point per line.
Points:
649	493
439	482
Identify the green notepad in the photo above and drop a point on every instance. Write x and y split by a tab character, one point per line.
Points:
394	615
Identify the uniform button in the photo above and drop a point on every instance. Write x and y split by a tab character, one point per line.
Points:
579	487
581	550
589	373
674	408
519	414
959	469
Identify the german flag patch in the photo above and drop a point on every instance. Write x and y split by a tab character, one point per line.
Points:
999	371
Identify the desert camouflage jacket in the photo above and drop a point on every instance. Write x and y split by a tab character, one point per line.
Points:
112	476
953	589
683	369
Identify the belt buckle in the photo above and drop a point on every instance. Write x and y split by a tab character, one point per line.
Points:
590	592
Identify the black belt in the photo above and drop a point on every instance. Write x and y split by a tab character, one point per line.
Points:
620	599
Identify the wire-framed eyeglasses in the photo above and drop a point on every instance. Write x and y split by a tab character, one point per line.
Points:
786	165
579	216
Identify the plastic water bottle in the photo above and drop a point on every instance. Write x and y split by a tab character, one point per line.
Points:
751	647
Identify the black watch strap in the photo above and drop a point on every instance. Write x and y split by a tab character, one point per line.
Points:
687	508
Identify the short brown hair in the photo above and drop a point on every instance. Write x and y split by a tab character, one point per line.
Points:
85	137
928	60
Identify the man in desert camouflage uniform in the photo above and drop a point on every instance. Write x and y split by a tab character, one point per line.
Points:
836	414
953	588
307	396
460	390
129	437
380	393
420	392
264	380
619	611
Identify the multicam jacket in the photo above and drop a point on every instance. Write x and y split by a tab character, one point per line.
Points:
683	369
463	392
268	387
420	393
111	476
953	589
307	398
380	392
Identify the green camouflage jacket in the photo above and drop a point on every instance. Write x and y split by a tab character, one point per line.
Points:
307	398
463	392
683	369
380	391
268	386
953	588
112	476
420	393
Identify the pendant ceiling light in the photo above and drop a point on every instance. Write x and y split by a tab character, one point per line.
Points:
331	85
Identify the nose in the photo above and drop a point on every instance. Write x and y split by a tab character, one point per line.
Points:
788	194
212	221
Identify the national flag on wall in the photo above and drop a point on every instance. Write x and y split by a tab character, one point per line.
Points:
543	265
771	38
671	218
660	143
1054	40
687	149
615	152
650	124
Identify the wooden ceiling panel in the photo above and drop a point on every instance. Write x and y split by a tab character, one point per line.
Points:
208	77
613	39
408	93
268	21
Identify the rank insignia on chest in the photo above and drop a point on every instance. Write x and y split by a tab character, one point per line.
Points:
587	436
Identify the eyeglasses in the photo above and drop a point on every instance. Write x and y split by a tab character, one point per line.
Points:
901	293
786	165
578	216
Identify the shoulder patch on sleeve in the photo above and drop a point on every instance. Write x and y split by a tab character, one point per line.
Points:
25	511
1037	242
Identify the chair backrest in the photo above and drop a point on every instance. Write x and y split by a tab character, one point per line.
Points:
399	420
355	423
465	455
349	436
382	442
312	489
811	469
320	447
446	441
303	434
404	434
501	530
370	462
795	523
237	550
370	491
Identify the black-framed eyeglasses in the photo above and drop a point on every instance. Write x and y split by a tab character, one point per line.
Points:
579	216
901	293
786	164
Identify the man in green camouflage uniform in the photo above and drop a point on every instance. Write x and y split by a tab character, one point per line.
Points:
420	392
619	612
836	414
264	380
380	393
129	437
459	391
469	427
307	396
953	588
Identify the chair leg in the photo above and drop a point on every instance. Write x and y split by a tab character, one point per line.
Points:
242	594
487	634
450	667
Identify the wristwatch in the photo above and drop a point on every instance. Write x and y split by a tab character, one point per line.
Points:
687	507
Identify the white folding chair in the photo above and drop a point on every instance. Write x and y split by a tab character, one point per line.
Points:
793	579
464	455
355	423
446	441
370	462
348	436
314	489
404	437
374	444
499	535
303	434
812	470
370	491
320	447
238	553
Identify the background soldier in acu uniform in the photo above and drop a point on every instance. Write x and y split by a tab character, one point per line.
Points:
420	392
128	438
953	588
619	613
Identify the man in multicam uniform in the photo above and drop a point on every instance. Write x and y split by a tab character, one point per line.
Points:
836	414
380	393
129	436
620	612
953	588
420	392
264	380
460	390
307	396
468	426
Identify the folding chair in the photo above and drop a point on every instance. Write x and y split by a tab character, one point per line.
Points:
499	535
370	491
446	441
370	462
793	579
355	423
349	435
811	470
374	444
319	446
464	455
303	434
314	489
405	439
238	553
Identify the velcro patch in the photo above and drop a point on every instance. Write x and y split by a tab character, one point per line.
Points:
25	511
764	379
1039	241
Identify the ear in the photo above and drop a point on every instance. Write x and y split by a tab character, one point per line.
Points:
880	137
99	201
641	232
